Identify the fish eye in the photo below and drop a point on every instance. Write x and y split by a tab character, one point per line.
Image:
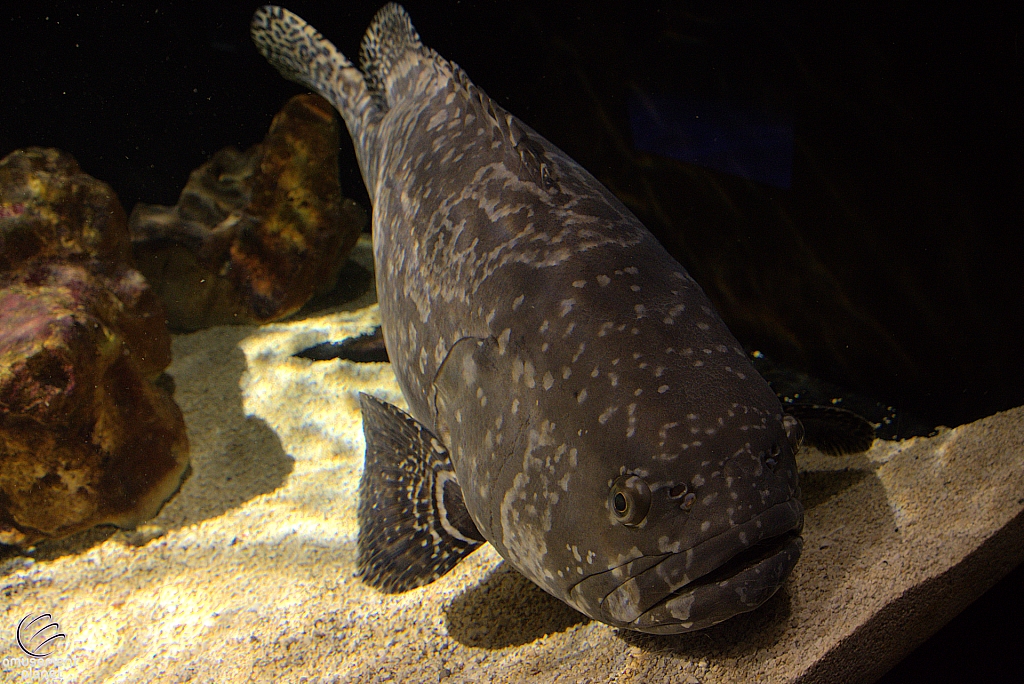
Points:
630	500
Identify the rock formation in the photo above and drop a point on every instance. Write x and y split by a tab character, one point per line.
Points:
255	234
89	434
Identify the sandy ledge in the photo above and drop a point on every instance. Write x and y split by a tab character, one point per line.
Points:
247	574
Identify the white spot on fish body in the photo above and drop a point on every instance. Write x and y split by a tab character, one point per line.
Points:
517	302
663	389
503	341
603	280
665	547
469	372
517	370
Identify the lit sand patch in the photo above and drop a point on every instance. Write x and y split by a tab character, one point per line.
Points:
247	574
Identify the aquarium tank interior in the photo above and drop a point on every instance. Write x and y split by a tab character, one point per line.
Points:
669	341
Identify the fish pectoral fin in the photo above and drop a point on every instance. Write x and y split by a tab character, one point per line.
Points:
833	430
413	523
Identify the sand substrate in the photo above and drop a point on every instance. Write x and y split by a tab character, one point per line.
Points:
247	574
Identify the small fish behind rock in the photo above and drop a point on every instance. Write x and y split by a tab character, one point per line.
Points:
574	399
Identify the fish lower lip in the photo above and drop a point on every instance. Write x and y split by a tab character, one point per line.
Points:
741	585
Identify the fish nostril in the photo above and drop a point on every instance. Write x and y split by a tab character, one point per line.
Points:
678	491
688	501
771	459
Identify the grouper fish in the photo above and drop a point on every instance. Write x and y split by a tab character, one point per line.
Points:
574	400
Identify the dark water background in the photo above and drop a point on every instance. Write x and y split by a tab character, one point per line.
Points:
884	254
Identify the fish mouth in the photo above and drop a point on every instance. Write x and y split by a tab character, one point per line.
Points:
744	583
731	573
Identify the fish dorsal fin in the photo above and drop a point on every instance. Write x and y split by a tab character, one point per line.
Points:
413	522
390	35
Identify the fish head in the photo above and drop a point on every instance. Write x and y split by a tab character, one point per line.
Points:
653	485
690	531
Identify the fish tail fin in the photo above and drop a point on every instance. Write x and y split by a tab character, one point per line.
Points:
301	54
413	522
389	37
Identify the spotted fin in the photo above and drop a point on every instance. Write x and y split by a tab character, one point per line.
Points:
413	522
301	54
388	38
832	430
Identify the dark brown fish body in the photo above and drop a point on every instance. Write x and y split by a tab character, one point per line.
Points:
575	400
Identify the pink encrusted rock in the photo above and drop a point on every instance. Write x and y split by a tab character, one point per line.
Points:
88	433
